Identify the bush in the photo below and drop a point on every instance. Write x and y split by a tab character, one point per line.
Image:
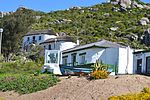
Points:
99	71
144	95
19	67
23	83
99	74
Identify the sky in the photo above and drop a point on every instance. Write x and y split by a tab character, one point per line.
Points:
47	5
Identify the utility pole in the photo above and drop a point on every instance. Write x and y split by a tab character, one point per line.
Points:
1	31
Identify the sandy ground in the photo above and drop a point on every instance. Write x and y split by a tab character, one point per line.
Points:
75	88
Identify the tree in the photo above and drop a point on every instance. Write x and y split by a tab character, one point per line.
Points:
15	26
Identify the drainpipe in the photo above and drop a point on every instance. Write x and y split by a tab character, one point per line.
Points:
126	70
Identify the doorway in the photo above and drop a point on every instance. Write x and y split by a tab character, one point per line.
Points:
148	64
73	58
139	66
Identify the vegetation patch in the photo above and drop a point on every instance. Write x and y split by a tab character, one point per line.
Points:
25	83
99	71
2	99
144	95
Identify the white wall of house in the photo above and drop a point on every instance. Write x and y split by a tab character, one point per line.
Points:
142	56
106	55
125	64
43	38
60	45
121	57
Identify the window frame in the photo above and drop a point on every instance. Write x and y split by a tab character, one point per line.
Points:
82	58
40	37
64	60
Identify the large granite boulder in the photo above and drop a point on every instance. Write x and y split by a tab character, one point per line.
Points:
125	3
146	38
144	21
136	5
122	3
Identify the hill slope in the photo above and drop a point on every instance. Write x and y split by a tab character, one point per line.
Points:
101	21
98	21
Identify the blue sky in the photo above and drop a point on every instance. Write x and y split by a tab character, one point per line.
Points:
47	5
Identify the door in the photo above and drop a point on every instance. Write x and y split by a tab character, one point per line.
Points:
74	63
147	64
139	66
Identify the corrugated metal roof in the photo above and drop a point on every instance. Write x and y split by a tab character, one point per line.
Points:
101	43
37	32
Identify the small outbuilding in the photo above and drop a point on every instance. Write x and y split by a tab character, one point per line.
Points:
142	62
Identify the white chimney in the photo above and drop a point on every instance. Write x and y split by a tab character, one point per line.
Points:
78	42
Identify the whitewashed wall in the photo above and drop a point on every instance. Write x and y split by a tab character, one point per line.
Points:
125	64
121	57
106	55
61	45
43	38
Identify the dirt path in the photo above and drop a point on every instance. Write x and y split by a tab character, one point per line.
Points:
76	88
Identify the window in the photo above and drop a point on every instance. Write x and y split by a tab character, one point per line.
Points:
49	47
65	60
82	58
28	39
33	38
40	38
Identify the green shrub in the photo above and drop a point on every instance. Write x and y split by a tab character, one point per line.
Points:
144	95
99	74
99	71
99	66
19	67
23	83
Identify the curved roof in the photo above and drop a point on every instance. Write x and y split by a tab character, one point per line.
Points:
59	38
37	32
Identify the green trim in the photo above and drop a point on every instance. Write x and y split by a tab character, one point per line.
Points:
65	56
82	54
74	54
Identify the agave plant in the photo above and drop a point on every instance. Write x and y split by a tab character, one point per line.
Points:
99	66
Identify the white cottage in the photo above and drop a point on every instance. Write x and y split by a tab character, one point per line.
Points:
58	43
142	62
37	37
108	52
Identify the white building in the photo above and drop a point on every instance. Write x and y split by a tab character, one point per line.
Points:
36	37
58	43
142	62
108	52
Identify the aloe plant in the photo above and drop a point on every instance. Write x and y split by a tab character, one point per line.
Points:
99	66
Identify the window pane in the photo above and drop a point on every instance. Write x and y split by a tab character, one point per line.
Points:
39	37
82	59
28	39
49	47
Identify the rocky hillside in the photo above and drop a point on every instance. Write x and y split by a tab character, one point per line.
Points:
118	20
124	21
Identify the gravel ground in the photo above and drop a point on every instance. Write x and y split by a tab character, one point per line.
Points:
75	88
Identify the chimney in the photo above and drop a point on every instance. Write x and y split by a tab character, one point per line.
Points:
78	42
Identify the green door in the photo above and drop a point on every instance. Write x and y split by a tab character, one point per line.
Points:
147	64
